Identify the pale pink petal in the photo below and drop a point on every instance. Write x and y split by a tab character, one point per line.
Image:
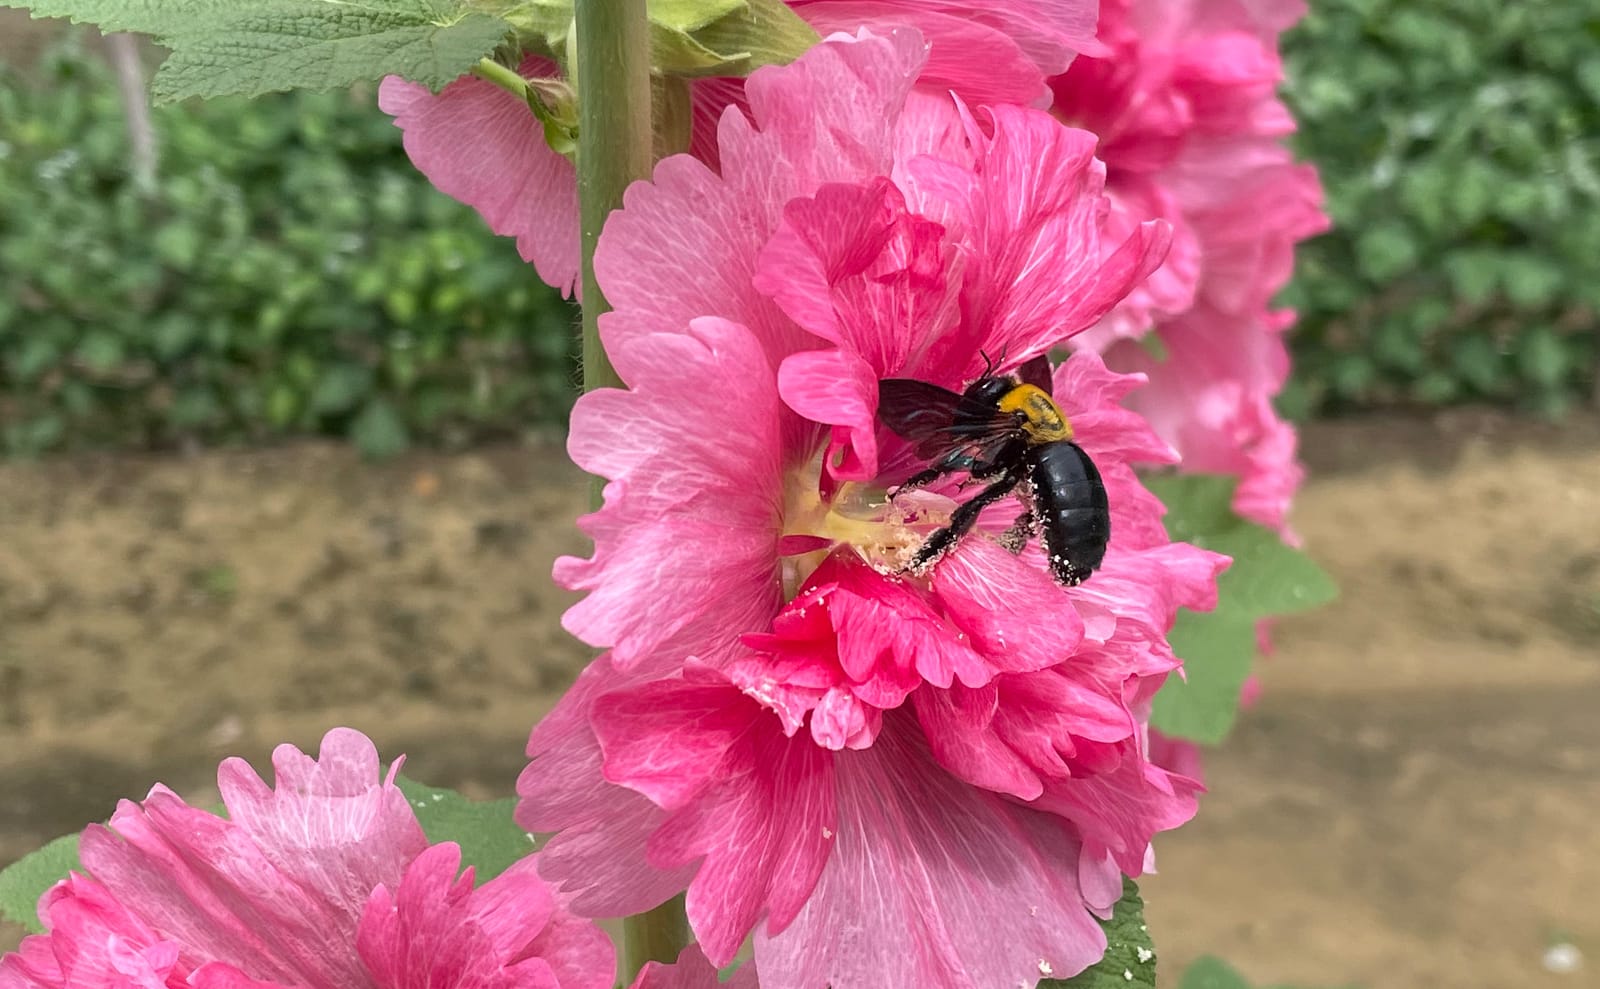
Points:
980	63
840	389
483	146
923	872
272	898
1177	755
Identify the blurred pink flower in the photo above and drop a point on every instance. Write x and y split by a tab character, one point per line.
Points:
1184	100
693	971
325	882
784	725
481	145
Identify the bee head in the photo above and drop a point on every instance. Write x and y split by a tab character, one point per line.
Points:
988	390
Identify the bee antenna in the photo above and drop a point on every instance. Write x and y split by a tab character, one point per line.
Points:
988	365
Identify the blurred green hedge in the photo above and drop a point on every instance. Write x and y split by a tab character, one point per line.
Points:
1459	141
291	273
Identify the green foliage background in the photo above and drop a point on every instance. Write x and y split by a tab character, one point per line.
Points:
1459	142
291	273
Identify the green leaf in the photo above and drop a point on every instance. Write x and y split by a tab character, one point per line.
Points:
1130	958
1542	358
690	15
1266	578
751	35
223	47
1384	251
25	880
1530	281
489	837
769	32
1211	972
340	388
379	432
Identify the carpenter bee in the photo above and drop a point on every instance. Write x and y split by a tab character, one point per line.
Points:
1006	430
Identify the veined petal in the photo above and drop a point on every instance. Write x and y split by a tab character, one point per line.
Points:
700	515
918	857
483	146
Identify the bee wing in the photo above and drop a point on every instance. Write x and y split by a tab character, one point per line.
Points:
938	420
1036	372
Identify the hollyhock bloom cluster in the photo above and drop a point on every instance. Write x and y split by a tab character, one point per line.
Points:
323	882
480	144
871	770
1183	98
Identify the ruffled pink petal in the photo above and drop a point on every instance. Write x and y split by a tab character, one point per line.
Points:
1015	614
1178	756
597	854
326	824
205	883
699	515
752	806
1032	215
93	940
483	146
435	929
1145	588
1118	810
855	643
686	244
182	899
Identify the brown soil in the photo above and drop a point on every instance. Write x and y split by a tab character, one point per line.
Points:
1413	802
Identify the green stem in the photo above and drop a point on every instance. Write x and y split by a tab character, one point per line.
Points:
613	71
489	70
614	134
653	936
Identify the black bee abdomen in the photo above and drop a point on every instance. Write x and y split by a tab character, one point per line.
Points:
1070	504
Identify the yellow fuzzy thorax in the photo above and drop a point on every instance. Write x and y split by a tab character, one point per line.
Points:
1044	422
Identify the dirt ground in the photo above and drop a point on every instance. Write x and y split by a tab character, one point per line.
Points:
1412	803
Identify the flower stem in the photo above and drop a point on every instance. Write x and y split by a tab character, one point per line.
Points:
613	73
491	71
614	133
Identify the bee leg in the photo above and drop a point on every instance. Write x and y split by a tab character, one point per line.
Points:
948	464
961	522
1022	530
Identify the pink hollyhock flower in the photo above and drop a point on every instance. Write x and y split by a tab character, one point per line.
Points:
1192	131
692	971
480	144
325	882
851	760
